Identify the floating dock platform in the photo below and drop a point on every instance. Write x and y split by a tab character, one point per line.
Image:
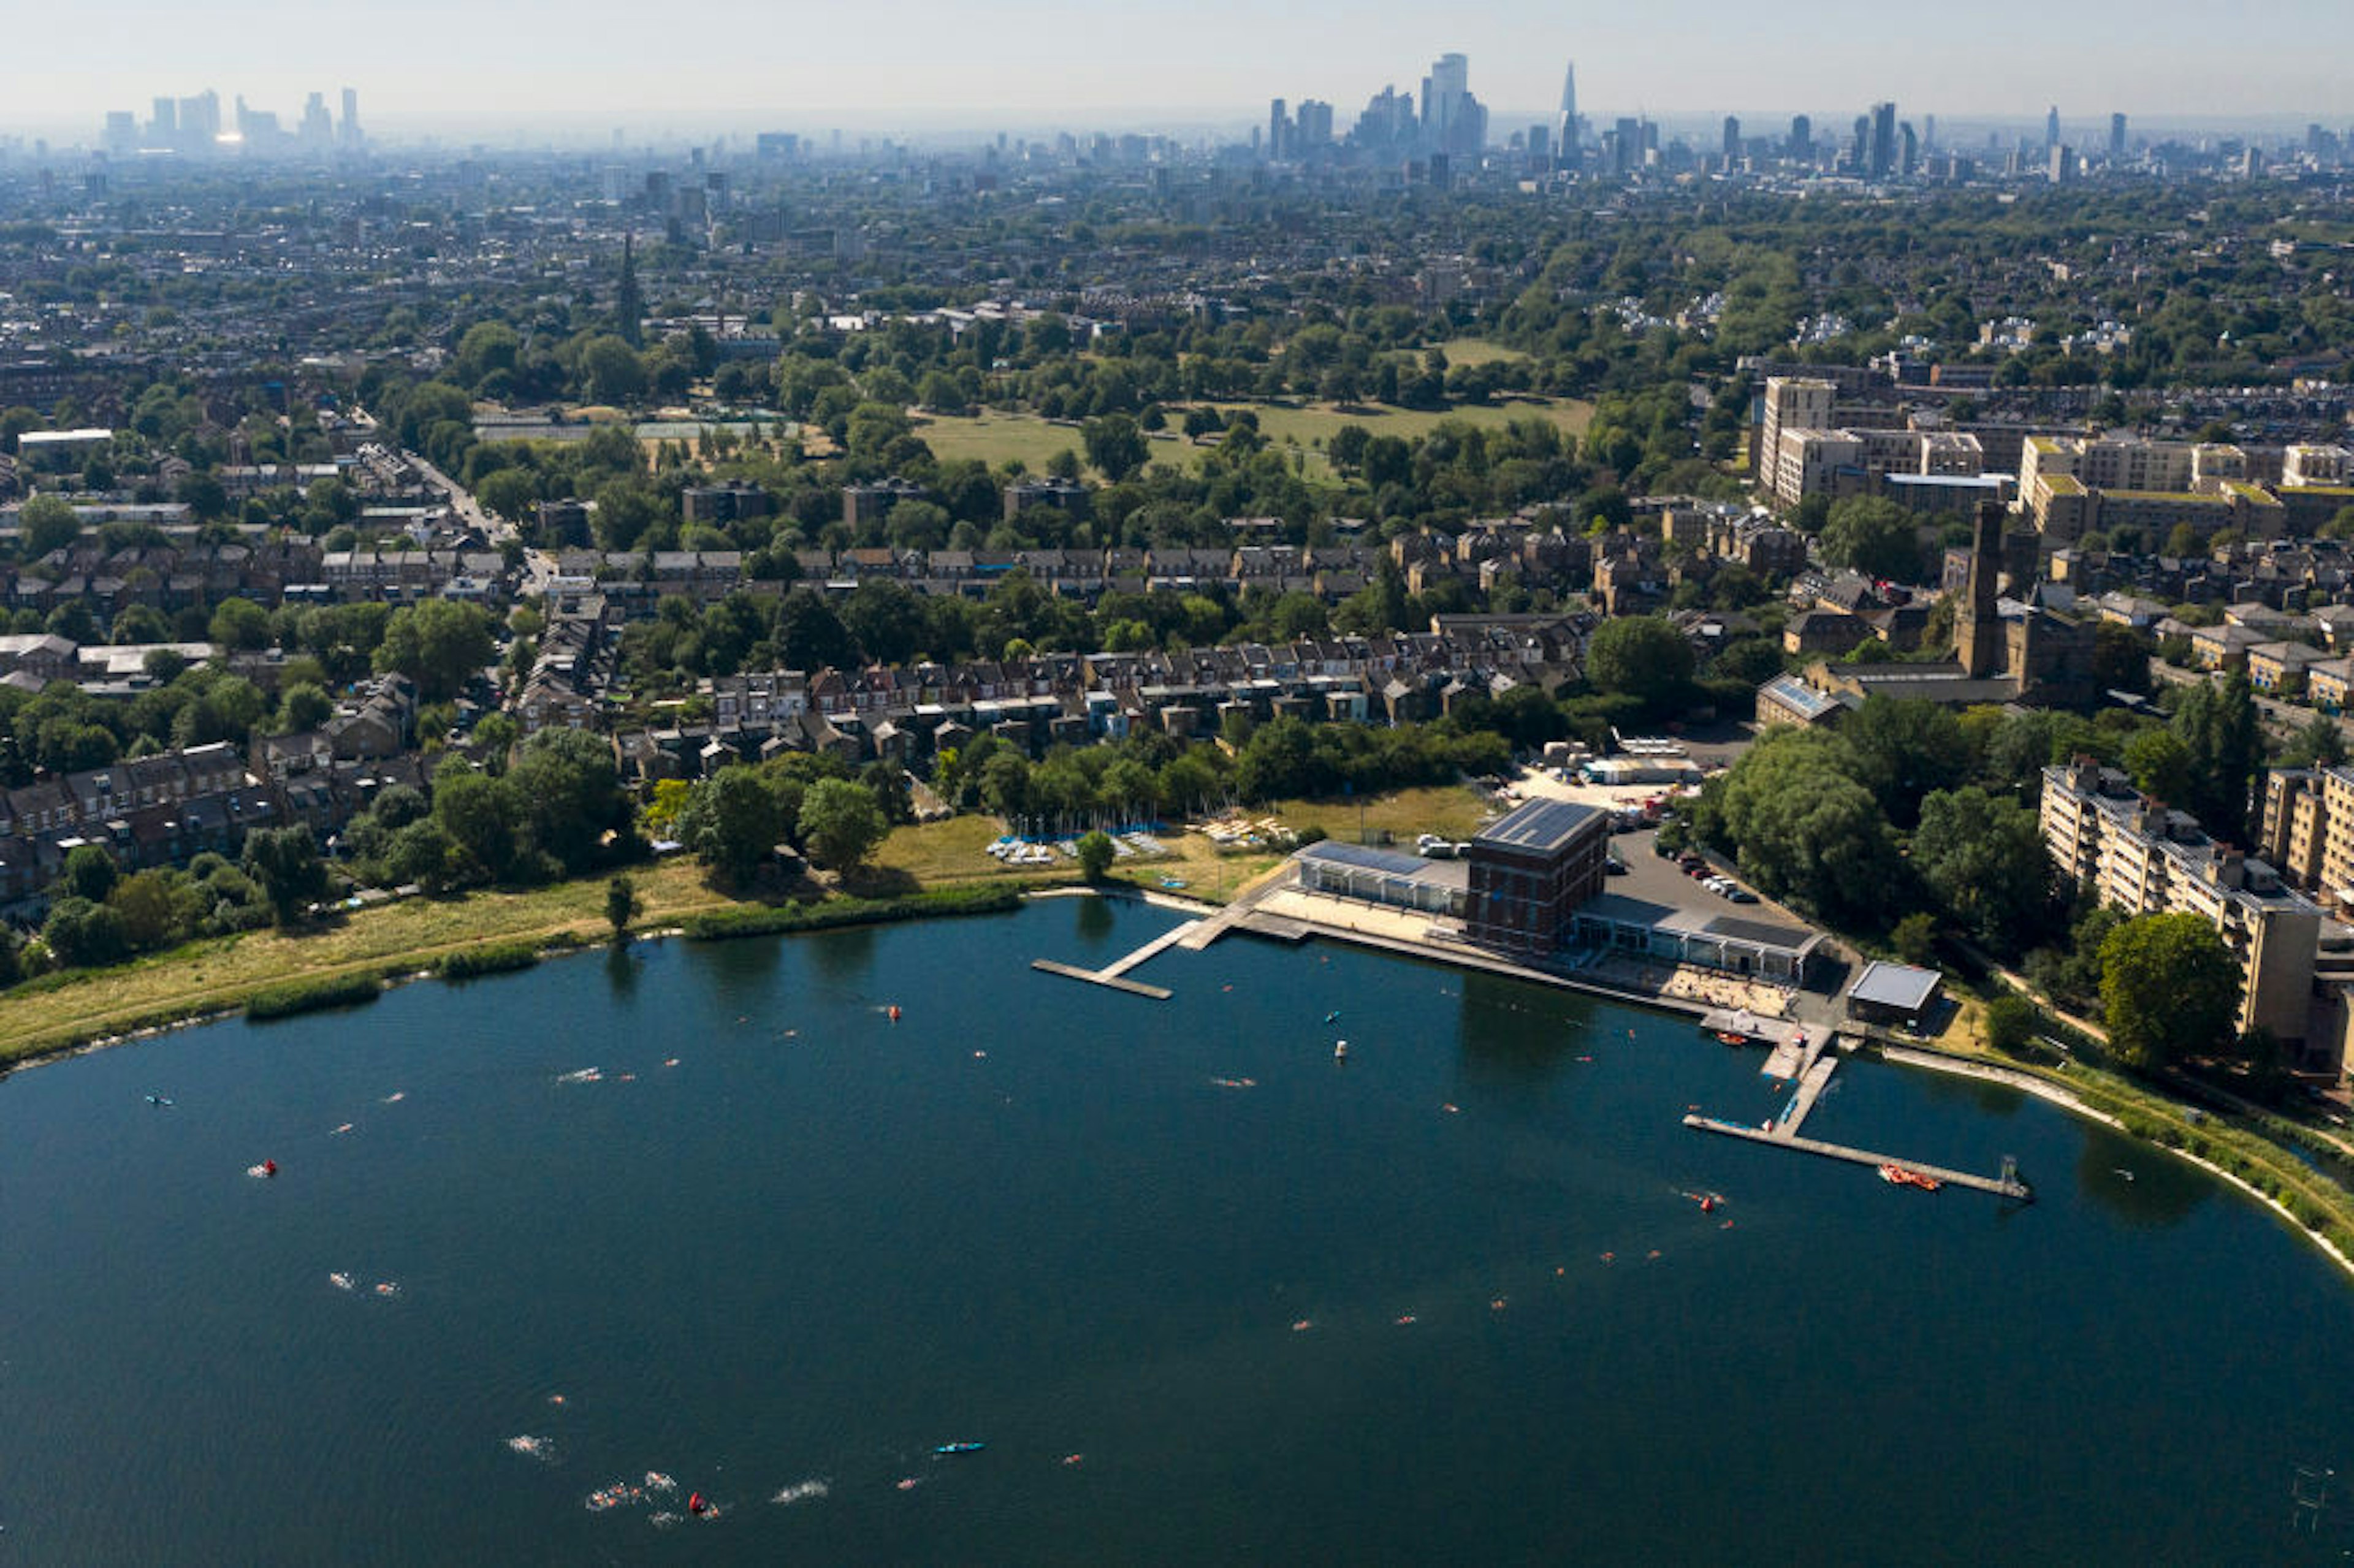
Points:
2007	1185
1103	978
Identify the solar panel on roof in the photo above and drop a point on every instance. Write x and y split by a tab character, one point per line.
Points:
1539	826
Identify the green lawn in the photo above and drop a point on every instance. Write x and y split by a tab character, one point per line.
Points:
1477	351
221	972
995	438
1451	812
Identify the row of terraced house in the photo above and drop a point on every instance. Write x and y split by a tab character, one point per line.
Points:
910	713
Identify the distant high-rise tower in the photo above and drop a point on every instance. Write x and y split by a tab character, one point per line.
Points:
348	132
1452	119
1732	139
1881	153
2051	129
1279	125
1802	139
1908	150
2116	138
1565	129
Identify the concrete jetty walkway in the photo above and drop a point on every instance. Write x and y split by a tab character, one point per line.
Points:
2007	1186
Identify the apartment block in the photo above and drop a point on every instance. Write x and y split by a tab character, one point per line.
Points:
2139	856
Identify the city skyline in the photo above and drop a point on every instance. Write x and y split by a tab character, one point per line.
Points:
1037	67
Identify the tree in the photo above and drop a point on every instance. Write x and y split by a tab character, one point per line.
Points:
571	794
49	523
1640	656
88	873
1914	937
304	706
839	822
1096	855
478	814
1983	857
2159	765
1873	536
2010	1023
620	905
1804	829
2120	658
2318	743
732	821
241	624
1114	446
157	907
284	864
2169	989
438	644
81	933
2218	723
612	372
1904	749
809	635
423	852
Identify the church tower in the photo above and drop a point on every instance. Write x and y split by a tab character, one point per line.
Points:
1978	629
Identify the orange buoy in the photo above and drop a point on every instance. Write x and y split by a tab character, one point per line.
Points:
269	1168
695	1504
894	1013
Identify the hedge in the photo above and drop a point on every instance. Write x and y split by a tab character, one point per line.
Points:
719	924
490	959
310	995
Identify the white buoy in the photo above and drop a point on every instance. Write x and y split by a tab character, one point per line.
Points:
1340	1051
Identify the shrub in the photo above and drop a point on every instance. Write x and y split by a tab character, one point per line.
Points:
491	958
313	995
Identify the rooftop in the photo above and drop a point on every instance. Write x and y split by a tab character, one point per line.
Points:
1541	825
1900	986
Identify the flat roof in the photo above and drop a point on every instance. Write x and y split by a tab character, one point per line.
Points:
1898	986
1366	858
1540	825
1619	908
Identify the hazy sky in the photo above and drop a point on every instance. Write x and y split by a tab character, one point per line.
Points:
428	65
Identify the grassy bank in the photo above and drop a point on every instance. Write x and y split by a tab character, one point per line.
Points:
2254	1148
934	869
220	974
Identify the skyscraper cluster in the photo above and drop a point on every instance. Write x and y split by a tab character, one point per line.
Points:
193	125
1446	120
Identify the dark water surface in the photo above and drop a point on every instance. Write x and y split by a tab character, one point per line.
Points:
823	1243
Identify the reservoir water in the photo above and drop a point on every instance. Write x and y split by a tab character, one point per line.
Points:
1203	1294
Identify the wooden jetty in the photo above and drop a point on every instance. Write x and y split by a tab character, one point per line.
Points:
1114	974
1102	978
2007	1185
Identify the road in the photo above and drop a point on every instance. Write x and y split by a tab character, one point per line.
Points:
539	566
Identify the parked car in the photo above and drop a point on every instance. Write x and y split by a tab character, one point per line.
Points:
1614	867
1740	895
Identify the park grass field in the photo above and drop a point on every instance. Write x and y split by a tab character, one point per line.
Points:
954	850
1452	811
996	438
1477	351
